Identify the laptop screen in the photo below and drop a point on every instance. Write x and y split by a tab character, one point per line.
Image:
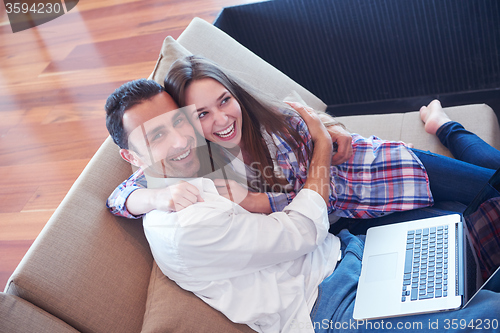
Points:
472	278
482	218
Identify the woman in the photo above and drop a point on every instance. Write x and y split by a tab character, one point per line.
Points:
380	177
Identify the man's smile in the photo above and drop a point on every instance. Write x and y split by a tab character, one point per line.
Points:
182	156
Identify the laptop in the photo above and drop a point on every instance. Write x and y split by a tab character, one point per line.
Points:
419	266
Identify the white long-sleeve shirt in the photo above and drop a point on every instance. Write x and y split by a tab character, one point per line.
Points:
261	270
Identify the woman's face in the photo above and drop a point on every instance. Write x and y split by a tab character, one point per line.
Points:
218	112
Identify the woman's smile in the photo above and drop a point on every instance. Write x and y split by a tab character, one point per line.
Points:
228	133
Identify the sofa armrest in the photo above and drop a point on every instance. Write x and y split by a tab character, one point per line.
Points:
20	316
87	267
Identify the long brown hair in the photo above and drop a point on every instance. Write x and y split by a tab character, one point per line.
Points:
257	108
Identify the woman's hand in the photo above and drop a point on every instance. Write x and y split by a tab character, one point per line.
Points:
316	128
343	140
340	137
231	190
251	201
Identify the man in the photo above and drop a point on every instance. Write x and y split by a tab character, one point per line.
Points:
274	273
144	101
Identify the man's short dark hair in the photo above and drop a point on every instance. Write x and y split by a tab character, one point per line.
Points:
122	99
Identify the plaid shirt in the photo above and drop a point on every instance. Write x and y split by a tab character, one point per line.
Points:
117	199
380	177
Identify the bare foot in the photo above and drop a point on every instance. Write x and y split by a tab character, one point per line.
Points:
433	116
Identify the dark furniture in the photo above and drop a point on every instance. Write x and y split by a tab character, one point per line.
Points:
378	56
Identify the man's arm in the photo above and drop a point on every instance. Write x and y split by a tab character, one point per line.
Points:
172	198
117	200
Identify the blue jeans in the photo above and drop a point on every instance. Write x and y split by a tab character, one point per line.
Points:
468	147
335	303
462	178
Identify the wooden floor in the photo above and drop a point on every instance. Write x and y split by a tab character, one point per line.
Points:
54	80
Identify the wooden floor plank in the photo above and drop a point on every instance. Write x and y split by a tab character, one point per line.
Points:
86	56
44	196
42	173
23	226
28	144
15	197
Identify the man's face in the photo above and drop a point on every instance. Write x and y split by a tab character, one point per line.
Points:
161	139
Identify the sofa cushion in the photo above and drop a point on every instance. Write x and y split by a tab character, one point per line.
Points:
170	52
202	38
477	118
408	127
172	309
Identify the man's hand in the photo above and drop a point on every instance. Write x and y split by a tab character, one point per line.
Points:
177	197
343	140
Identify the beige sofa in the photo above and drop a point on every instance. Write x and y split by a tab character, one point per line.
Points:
89	271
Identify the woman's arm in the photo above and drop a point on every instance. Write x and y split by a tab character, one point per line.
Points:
338	132
343	142
295	173
254	202
318	174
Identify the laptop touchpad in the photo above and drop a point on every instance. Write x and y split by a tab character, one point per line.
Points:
381	267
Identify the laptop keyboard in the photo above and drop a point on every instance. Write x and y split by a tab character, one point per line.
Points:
426	264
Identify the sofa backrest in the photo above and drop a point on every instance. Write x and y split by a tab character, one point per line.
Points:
88	267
